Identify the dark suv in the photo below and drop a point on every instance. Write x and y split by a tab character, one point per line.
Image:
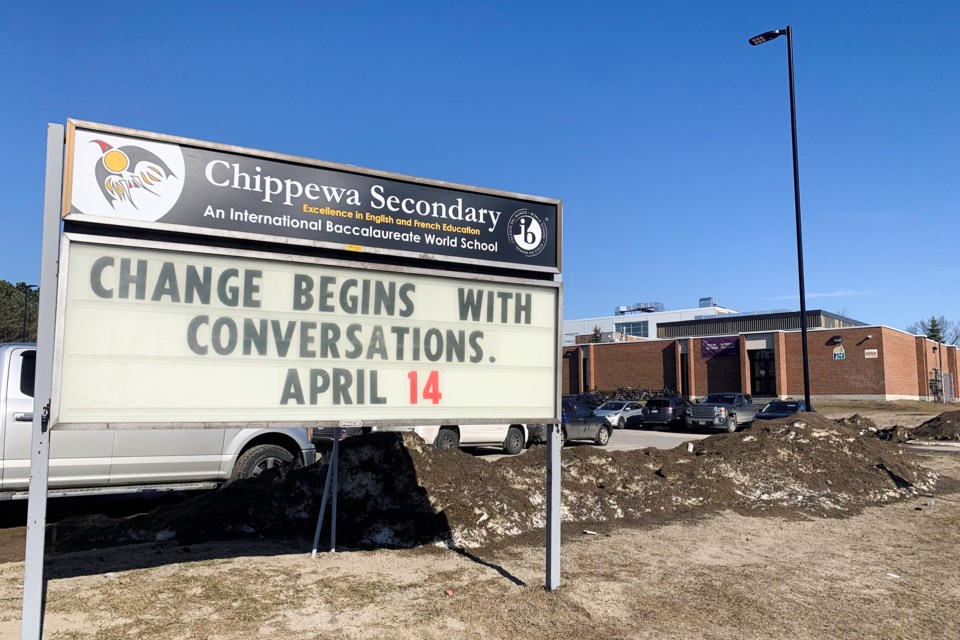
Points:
665	410
579	423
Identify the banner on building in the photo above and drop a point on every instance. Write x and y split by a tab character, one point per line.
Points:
725	347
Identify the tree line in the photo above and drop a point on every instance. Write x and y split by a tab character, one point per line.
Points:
938	329
18	311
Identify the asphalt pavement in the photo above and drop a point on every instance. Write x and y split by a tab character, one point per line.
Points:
624	440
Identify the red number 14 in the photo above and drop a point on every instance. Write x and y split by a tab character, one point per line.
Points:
431	390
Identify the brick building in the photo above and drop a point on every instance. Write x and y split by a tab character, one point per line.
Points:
852	362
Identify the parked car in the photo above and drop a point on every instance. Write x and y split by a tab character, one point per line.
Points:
725	410
579	423
665	410
591	400
512	438
617	412
781	409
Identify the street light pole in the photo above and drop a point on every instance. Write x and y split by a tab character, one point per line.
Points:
760	39
27	288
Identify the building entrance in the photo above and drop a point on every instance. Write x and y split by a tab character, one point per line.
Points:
763	373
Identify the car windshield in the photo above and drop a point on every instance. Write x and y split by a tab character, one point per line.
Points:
611	406
782	407
721	398
658	403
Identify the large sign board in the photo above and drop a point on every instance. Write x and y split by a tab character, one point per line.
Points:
184	335
125	177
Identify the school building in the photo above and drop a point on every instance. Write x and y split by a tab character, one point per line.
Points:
761	355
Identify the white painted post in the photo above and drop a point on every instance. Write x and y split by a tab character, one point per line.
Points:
31	621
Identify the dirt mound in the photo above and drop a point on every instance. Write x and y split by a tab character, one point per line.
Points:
397	491
867	427
898	434
857	421
946	426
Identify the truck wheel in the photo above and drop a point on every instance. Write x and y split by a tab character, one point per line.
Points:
731	424
514	441
447	439
260	458
603	436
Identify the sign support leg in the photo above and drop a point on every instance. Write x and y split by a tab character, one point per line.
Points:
323	507
31	620
553	508
333	497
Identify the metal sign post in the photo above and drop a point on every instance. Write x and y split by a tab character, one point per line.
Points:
31	625
333	497
329	491
554	442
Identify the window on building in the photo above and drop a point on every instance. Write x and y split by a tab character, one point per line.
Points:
638	329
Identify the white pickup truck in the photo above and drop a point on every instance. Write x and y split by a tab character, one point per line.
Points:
129	460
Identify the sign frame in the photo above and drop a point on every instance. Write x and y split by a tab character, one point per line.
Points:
69	238
68	214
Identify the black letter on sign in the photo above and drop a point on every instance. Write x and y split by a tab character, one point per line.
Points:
192	335
292	388
302	298
96	277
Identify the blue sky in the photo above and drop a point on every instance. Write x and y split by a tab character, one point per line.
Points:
666	136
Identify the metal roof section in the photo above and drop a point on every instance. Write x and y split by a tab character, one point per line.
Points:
736	323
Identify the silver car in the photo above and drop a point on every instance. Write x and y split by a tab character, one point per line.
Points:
617	412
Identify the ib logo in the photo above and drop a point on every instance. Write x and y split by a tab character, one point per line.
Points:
527	232
120	177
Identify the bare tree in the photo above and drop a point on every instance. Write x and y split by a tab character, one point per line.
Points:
937	328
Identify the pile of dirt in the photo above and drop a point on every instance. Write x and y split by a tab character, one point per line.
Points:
946	426
397	491
897	434
859	422
867	427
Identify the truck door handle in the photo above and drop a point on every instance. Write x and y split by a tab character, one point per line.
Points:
23	417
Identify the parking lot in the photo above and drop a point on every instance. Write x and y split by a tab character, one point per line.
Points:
624	440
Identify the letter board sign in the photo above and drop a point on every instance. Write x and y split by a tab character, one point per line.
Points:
192	336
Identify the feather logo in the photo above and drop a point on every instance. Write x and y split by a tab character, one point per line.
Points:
122	171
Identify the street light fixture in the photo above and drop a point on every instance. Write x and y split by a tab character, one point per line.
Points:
754	41
27	288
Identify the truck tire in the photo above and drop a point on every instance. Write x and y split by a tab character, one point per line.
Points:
731	423
513	444
260	458
447	439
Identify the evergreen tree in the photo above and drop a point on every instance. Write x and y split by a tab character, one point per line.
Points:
937	328
596	337
935	331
